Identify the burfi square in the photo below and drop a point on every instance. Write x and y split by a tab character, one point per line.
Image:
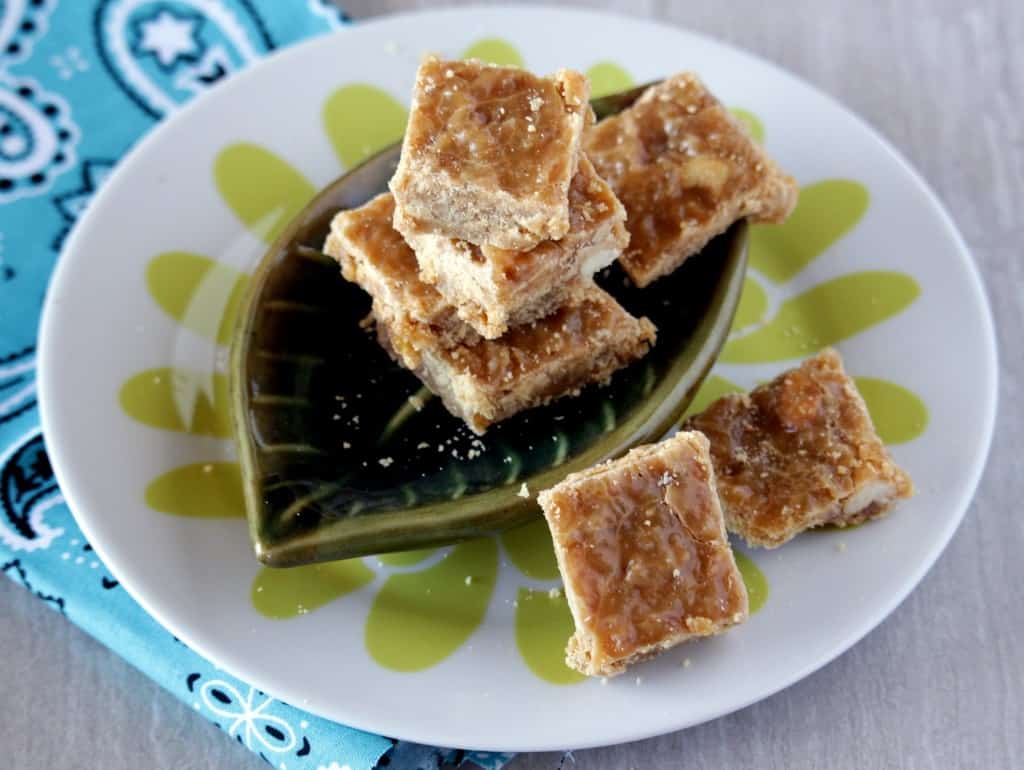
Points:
799	452
489	152
685	170
494	289
376	257
484	382
644	556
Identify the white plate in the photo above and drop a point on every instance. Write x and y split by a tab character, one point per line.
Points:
102	328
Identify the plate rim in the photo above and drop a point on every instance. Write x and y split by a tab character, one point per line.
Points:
46	347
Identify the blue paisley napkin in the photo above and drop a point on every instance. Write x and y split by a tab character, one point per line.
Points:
80	82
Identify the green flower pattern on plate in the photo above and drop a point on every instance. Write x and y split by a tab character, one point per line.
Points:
440	596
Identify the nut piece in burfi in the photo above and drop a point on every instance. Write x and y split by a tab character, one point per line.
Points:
489	152
644	555
685	170
373	255
799	452
582	342
494	289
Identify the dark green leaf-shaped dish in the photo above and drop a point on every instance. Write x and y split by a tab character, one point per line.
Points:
344	454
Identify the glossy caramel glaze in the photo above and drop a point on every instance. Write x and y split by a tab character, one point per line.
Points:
685	170
496	127
799	452
642	549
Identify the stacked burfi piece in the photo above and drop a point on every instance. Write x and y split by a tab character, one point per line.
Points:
643	553
685	170
480	260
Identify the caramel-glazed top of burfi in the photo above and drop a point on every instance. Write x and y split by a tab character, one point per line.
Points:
800	444
643	550
592	322
496	127
592	204
678	159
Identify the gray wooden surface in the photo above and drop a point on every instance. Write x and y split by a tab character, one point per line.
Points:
939	684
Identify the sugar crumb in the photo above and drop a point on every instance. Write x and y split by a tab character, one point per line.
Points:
686	662
385	461
555	593
469	580
841	547
524	491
